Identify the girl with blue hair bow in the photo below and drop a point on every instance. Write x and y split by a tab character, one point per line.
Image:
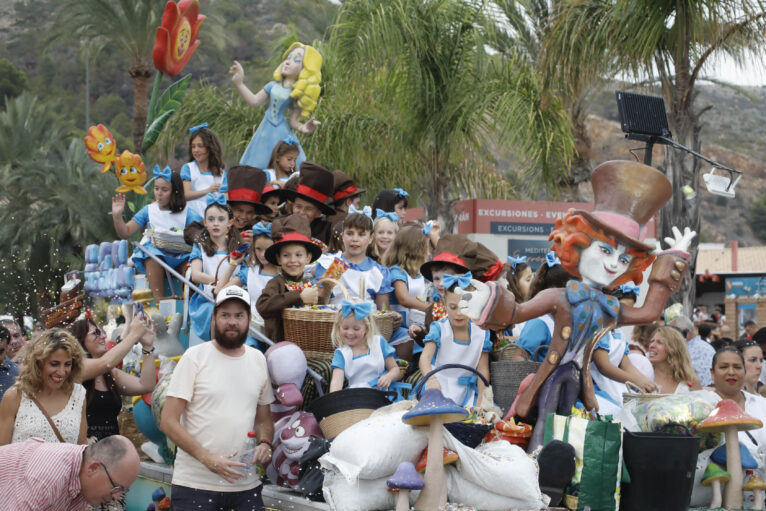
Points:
169	211
361	356
211	250
282	162
456	340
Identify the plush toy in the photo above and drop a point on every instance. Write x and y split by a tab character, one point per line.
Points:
131	173
287	370
295	87
101	146
291	439
166	335
604	249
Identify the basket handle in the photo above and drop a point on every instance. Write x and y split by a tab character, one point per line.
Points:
419	387
632	387
335	283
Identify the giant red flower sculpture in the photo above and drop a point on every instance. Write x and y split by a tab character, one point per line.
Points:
177	36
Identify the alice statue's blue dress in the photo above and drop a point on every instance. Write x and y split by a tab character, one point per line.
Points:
273	128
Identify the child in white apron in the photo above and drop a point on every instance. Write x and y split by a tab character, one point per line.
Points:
218	241
456	340
361	356
205	171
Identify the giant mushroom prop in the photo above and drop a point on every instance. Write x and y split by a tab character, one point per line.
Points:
756	485
714	476
728	417
405	479
434	410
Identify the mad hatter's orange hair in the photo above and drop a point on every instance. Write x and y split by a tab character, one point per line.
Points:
574	233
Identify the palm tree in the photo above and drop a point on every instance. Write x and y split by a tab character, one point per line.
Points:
671	44
53	202
418	85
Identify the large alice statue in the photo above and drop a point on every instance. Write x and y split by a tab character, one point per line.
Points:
295	87
604	249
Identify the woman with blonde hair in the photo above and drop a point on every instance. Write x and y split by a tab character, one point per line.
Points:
46	402
673	371
296	87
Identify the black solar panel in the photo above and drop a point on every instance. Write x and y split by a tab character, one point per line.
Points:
644	115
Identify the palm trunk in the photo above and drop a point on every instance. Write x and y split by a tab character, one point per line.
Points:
140	73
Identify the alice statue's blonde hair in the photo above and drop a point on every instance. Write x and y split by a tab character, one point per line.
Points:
306	89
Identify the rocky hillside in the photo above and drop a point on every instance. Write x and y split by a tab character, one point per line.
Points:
734	134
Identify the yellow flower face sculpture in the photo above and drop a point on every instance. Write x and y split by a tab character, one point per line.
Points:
131	173
101	146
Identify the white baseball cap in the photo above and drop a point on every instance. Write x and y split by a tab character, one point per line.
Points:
233	292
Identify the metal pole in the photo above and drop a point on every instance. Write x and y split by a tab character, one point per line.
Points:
318	380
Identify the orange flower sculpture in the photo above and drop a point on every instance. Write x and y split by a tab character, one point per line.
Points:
131	173
177	36
101	146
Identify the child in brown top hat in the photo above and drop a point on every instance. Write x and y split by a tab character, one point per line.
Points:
292	251
312	198
345	195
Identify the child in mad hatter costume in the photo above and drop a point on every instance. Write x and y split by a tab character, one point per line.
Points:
604	249
246	188
313	198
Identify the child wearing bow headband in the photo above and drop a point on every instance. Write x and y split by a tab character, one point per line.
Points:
404	259
361	356
204	173
519	277
211	249
168	211
282	161
456	340
391	201
384	230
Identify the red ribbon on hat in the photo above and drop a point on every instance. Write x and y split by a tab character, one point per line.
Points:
294	236
351	190
310	192
446	257
244	194
493	272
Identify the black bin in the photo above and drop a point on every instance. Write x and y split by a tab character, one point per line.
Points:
661	469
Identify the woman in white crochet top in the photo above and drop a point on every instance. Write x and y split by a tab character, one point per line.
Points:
51	367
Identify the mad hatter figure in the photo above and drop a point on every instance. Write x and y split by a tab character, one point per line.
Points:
604	249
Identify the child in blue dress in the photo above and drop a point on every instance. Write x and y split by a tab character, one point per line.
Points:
282	161
361	356
456	340
204	173
404	259
258	271
363	278
211	251
168	211
391	201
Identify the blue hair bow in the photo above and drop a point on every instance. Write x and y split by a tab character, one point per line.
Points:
259	229
360	310
551	259
462	281
197	127
515	261
630	288
215	198
427	228
366	211
165	173
290	140
402	194
379	213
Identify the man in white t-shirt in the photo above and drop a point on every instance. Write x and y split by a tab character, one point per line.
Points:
220	391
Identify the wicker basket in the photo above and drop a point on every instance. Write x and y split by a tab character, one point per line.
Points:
340	410
635	394
311	329
504	353
169	240
506	376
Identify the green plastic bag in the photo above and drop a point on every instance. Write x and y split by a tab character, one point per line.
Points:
598	466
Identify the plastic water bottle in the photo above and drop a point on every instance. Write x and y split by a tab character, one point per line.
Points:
246	457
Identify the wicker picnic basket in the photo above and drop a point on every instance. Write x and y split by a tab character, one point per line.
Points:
311	329
506	375
168	240
504	353
340	410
